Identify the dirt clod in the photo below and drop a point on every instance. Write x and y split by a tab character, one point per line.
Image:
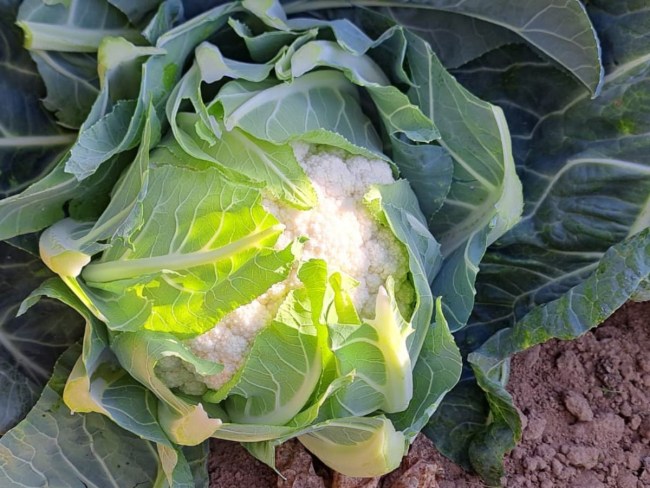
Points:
578	405
296	466
583	457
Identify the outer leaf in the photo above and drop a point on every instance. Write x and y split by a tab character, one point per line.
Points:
74	26
623	28
42	203
587	186
121	459
558	28
30	144
587	189
456	38
30	344
459	417
197	457
72	84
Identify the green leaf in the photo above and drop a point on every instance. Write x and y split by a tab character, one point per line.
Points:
585	174
397	204
96	382
268	11
96	141
31	343
383	380
454	37
428	168
586	185
436	372
398	114
33	452
273	166
623	28
210	66
278	113
459	417
182	275
183	422
72	84
264	46
357	446
42	203
268	164
168	15
123	215
68	245
348	35
78	26
159	74
484	199
135	11
289	347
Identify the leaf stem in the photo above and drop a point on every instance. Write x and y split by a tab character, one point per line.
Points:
131	268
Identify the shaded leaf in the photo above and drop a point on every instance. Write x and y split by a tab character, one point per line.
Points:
31	343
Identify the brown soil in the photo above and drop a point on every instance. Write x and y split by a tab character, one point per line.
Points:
585	408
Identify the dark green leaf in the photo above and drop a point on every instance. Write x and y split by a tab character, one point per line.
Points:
558	28
30	344
586	175
30	141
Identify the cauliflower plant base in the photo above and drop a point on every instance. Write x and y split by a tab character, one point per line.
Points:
340	230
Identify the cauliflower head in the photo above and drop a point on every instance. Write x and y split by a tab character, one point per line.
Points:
340	229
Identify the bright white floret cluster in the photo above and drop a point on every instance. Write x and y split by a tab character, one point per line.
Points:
340	230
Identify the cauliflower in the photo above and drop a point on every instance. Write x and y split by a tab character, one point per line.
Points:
340	230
